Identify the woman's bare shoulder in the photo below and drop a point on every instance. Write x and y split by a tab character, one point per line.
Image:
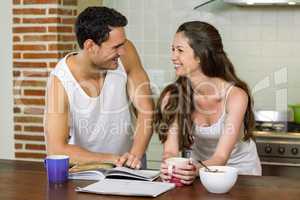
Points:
237	96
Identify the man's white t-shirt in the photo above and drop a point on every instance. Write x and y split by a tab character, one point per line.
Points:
98	124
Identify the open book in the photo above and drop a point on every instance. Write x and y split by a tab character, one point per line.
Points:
127	187
116	172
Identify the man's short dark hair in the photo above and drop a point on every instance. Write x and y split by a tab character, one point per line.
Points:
94	23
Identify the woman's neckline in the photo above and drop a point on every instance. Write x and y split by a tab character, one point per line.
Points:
213	124
229	87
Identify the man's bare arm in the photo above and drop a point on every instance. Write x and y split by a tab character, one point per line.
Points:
57	129
140	94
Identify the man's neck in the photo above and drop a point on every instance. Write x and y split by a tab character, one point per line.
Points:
82	68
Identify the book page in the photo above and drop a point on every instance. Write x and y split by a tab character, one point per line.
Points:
93	175
140	174
127	187
117	172
90	166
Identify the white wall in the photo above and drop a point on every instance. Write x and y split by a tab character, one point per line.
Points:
6	98
260	41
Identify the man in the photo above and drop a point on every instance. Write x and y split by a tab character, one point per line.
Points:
87	115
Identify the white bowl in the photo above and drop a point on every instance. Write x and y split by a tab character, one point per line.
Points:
218	182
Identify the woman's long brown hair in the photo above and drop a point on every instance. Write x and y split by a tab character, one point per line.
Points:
206	42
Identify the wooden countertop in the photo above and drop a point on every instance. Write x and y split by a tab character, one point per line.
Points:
22	180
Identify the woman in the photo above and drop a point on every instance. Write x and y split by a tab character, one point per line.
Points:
208	109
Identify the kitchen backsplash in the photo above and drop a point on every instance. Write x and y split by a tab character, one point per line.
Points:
262	42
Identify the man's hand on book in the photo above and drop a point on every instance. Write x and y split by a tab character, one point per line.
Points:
129	160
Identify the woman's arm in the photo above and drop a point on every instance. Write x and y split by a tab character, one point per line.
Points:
186	174
236	106
171	145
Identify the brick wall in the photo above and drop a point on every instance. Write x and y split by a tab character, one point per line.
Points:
42	34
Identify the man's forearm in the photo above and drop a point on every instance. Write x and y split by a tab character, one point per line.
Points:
142	134
78	154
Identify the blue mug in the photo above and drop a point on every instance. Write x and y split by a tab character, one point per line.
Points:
57	167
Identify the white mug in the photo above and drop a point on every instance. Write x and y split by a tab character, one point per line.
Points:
176	162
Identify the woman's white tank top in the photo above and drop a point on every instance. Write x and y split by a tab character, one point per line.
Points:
244	156
103	123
